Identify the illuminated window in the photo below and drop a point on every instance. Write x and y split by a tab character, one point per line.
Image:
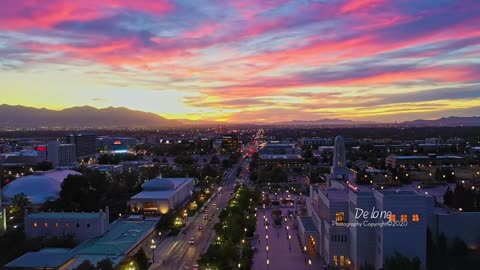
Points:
342	261
340	217
404	218
56	224
46	224
335	260
416	218
393	218
35	225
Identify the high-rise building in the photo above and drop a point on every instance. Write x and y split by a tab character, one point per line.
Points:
61	154
85	143
339	169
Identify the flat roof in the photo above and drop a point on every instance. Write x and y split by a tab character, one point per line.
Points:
161	194
335	194
64	215
118	240
48	258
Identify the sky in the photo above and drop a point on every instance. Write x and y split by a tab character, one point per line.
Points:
245	61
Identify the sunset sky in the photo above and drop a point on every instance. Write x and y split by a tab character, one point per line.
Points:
244	61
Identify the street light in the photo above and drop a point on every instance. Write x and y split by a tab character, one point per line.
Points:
153	247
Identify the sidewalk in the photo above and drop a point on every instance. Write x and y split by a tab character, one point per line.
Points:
282	253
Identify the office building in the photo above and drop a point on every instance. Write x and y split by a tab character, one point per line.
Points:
61	155
85	144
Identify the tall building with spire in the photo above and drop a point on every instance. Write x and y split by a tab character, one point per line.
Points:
339	169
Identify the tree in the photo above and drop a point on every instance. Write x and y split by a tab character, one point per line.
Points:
85	265
105	264
400	262
367	266
19	203
142	259
459	253
448	197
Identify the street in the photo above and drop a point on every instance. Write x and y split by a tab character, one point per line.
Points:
176	252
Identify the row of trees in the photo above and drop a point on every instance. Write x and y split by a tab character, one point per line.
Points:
445	254
234	231
466	198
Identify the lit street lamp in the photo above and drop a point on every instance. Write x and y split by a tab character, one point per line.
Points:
153	246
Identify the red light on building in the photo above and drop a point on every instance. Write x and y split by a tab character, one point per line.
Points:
41	148
117	142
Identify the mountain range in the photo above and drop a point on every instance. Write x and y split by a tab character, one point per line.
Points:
80	117
446	122
111	117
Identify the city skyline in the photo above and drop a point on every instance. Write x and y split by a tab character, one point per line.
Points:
271	61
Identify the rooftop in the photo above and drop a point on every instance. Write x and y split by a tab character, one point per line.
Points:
122	236
63	215
335	194
45	258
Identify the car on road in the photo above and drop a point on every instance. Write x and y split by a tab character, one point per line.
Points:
199	227
191	241
195	267
205	216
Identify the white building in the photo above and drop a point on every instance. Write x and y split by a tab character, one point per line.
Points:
82	226
350	227
61	154
160	195
349	240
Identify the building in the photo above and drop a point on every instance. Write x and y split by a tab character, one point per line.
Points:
85	143
110	168
61	155
339	169
230	143
122	240
350	227
348	239
406	161
39	187
82	226
22	158
287	161
315	142
160	195
274	148
116	145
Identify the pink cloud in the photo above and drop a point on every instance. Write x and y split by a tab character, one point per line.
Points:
355	5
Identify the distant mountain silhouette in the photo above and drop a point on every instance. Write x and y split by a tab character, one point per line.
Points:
86	116
325	122
446	121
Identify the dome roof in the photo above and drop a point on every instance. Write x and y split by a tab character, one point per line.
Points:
39	187
159	184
